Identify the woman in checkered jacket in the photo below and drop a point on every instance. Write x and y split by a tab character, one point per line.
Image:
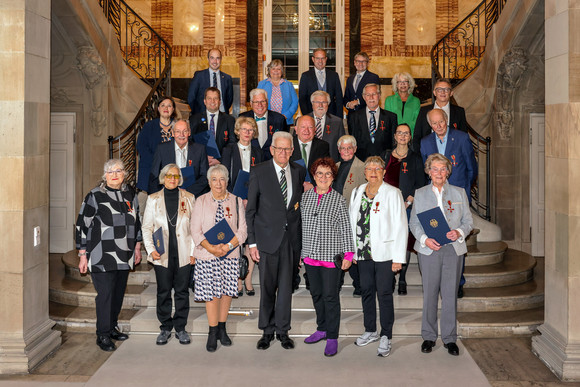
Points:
327	249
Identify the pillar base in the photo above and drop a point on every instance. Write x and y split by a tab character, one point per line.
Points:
561	358
18	355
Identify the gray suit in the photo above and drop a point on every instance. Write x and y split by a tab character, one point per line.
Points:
333	130
441	270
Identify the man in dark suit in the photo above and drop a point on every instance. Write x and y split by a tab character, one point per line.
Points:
219	124
306	146
372	126
456	114
211	77
275	236
268	121
327	127
186	154
320	78
356	82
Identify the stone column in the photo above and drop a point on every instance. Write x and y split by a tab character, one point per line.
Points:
26	335
559	344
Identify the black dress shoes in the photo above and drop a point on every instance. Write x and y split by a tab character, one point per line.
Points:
117	335
402	288
265	340
105	343
452	348
460	292
285	340
427	346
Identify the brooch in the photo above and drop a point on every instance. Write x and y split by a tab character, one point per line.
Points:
450	209
376	207
404	170
228	212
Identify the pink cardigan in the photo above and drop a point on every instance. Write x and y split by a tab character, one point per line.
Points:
203	218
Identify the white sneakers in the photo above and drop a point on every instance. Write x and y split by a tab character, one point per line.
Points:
370	337
384	347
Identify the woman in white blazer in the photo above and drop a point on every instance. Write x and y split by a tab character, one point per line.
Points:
379	224
170	209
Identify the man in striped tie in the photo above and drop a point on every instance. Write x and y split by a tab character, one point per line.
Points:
328	127
275	237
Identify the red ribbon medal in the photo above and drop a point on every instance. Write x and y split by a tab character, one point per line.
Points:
376	207
450	207
228	212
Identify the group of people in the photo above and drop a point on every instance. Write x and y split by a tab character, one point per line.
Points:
321	198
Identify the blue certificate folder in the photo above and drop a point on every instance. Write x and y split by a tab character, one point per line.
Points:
158	241
188	174
207	139
308	179
220	233
241	186
435	225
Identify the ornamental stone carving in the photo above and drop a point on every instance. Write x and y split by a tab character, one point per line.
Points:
94	73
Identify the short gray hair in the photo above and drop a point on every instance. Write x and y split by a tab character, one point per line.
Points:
438	157
282	134
255	92
319	93
108	166
403	76
217	169
375	160
442	112
371	85
348	139
166	169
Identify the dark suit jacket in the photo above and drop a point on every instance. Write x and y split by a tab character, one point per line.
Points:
266	216
457	121
351	94
411	173
318	149
233	162
332	131
200	82
224	132
309	84
196	157
276	122
358	127
460	152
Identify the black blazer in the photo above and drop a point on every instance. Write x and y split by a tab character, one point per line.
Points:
411	173
224	132
309	84
457	121
351	94
196	157
200	82
358	127
266	216
233	162
318	149
332	131
276	122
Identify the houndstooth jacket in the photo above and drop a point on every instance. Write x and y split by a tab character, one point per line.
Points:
326	227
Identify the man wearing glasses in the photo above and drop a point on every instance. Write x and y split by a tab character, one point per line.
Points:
456	114
320	78
274	236
268	121
356	82
327	127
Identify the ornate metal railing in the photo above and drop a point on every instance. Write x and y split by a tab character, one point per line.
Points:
149	56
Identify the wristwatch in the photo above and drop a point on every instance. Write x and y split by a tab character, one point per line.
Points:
231	247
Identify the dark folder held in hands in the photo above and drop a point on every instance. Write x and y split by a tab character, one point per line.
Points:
220	233
435	225
158	241
241	186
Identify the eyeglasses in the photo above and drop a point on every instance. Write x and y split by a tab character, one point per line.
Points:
116	171
360	61
259	102
346	148
247	130
319	58
403	134
369	169
320	102
443	90
172	176
399	82
282	150
180	132
438	170
371	94
325	174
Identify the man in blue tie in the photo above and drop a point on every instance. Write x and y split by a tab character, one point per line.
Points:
211	77
355	84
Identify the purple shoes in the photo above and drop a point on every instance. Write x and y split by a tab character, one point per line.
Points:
315	337
331	347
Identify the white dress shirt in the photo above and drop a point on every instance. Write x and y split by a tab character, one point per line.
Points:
245	155
439	196
288	180
308	147
215	119
181	156
262	129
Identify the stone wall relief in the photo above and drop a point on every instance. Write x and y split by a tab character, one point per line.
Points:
94	74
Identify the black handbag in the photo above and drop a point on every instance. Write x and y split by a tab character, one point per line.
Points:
337	259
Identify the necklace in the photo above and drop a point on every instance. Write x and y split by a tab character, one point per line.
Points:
171	220
218	200
400	155
369	193
166	125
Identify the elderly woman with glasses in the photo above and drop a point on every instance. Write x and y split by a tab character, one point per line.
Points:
281	93
326	234
216	265
108	238
170	210
441	265
403	103
379	228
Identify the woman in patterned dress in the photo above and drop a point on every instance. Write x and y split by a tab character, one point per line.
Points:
282	96
108	238
379	224
216	276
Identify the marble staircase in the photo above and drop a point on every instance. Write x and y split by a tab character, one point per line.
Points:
504	296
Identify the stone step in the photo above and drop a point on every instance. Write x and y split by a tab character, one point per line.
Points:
83	319
499	324
516	268
485	253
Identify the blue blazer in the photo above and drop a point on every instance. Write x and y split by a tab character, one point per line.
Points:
200	82
351	94
289	98
309	84
147	141
196	157
224	131
276	122
460	152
